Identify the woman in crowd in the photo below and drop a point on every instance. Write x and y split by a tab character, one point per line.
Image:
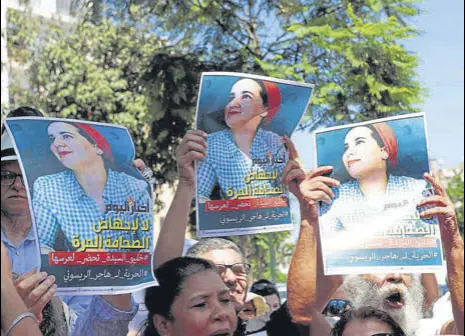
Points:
370	155
76	200
191	300
244	147
367	321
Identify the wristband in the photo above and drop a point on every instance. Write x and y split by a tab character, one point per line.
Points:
19	319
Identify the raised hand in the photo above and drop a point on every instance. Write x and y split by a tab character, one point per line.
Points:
36	290
192	148
443	208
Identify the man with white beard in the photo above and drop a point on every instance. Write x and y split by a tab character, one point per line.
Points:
400	295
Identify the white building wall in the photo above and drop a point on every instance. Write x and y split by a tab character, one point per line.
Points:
59	10
5	98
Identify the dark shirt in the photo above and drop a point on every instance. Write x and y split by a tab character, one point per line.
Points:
241	327
278	323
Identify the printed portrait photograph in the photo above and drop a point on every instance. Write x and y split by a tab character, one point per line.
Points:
246	119
380	166
86	195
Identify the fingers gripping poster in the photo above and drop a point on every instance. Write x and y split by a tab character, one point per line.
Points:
246	117
91	209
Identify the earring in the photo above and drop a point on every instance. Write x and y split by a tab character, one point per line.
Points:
99	151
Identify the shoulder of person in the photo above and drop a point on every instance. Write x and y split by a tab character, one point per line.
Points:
271	136
409	183
347	187
281	323
218	137
130	181
52	181
219	143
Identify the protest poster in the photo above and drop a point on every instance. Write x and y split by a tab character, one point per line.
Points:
246	117
91	209
373	224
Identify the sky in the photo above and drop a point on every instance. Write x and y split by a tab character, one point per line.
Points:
441	71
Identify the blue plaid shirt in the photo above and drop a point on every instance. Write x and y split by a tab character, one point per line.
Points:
350	210
60	203
226	165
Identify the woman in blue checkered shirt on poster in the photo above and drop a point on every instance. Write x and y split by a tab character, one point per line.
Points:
74	202
243	151
374	199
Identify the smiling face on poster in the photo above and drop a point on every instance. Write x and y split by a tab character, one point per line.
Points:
239	185
374	219
91	208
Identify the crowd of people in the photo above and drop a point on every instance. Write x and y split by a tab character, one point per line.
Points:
206	291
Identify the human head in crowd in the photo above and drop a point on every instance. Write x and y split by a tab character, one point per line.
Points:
370	150
23	111
251	101
191	300
231	263
255	306
268	290
79	145
14	197
366	321
400	295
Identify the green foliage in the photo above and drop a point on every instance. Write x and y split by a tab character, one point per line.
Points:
23	32
138	63
362	70
455	192
267	253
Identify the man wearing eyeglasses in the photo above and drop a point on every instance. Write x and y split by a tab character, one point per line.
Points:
102	315
400	295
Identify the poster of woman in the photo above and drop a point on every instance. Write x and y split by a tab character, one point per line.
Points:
373	223
92	210
239	189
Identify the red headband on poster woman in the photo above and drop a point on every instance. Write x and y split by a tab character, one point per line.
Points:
389	139
98	139
274	99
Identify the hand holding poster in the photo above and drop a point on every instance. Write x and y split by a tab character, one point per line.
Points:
246	117
373	224
92	210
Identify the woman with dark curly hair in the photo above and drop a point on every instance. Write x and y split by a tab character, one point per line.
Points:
191	300
367	321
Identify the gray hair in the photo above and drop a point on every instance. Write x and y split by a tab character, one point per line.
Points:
363	293
211	244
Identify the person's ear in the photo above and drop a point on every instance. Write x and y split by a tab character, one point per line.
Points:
384	153
98	150
163	325
265	113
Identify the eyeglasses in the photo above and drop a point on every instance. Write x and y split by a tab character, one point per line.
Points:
9	178
262	286
239	268
337	308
